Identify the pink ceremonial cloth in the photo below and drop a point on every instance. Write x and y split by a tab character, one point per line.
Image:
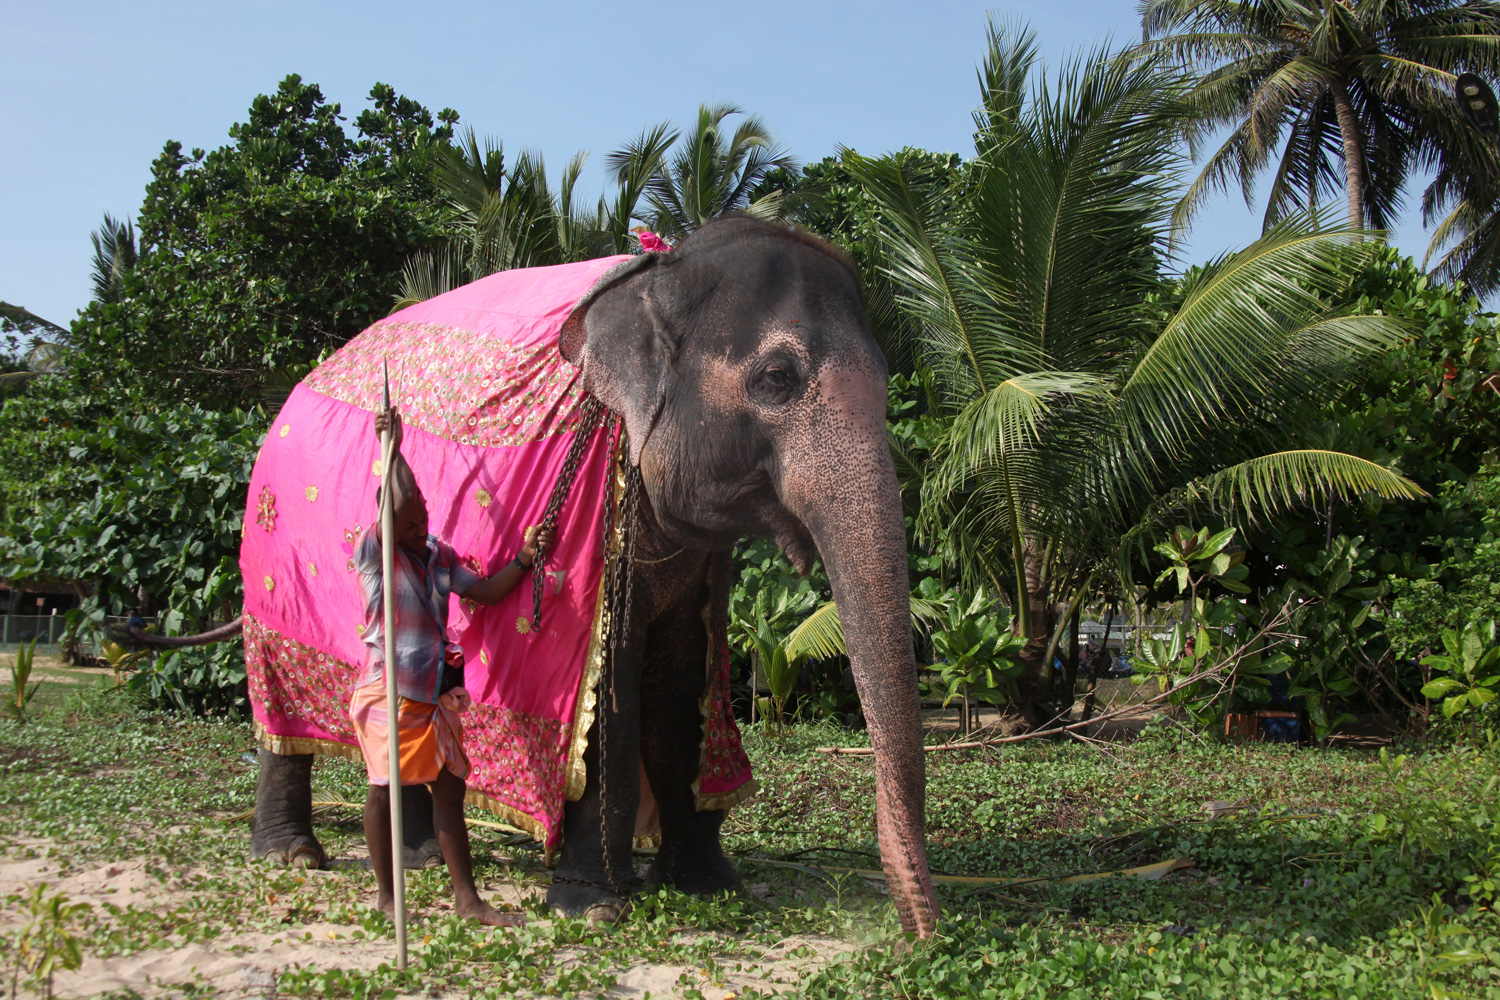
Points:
490	408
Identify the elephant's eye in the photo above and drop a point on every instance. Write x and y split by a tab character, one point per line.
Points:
775	383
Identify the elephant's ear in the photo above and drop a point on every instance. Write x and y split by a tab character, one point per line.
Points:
616	334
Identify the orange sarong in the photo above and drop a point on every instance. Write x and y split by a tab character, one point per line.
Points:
431	737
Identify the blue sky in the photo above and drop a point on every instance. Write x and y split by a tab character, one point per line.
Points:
93	90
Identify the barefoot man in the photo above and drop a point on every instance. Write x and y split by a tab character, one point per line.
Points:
429	679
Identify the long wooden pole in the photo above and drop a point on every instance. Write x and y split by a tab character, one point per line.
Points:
392	695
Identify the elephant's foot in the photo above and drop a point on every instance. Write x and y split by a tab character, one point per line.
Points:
702	875
596	903
427	854
283	827
303	852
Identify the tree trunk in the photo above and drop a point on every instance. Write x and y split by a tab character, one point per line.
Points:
1035	682
1354	154
1070	669
1099	661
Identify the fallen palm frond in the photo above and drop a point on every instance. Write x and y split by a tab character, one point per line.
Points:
1148	873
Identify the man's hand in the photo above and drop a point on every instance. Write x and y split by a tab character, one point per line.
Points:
455	700
536	537
491	589
385	419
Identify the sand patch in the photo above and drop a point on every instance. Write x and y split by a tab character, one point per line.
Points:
243	964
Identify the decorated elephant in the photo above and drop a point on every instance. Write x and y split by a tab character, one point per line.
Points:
742	393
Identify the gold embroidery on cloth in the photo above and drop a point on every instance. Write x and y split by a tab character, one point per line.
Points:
593	661
265	509
733	797
288	745
312	494
463	387
286	429
483	498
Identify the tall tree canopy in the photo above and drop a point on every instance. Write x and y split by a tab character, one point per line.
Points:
1351	94
268	251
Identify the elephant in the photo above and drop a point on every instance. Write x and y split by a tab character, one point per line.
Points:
753	398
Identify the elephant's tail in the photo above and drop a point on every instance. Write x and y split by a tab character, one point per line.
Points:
219	634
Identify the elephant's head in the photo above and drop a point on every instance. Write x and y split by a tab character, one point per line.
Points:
755	397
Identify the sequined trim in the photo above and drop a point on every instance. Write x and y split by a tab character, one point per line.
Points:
287	746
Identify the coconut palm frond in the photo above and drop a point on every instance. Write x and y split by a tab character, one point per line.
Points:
428	274
114	257
1223	356
1286	479
821	634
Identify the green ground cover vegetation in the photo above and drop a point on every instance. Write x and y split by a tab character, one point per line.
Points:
1326	873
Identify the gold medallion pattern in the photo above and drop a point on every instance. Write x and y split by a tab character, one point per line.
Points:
375	467
523	624
312	494
286	429
483	498
270	583
312	568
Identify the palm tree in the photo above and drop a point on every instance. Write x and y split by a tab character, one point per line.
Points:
1090	403
114	256
716	171
1315	85
509	216
1462	203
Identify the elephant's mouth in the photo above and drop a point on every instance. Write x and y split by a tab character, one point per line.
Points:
797	544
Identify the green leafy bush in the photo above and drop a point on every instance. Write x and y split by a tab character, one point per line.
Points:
153	505
1472	665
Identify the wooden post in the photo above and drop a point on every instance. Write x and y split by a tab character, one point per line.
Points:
392	696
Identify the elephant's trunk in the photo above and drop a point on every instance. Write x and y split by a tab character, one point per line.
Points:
846	493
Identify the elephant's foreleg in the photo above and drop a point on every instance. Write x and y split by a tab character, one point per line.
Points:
283	811
590	880
690	857
419	839
283	825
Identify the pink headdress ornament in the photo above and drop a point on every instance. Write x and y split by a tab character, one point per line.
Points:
651	243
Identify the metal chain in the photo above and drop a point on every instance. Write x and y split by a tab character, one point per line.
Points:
621	595
588	415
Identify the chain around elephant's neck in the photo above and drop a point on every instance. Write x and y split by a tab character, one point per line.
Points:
590	412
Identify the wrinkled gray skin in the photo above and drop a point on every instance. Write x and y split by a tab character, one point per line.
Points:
754	396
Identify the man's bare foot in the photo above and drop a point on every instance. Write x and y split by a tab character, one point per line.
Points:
386	904
486	915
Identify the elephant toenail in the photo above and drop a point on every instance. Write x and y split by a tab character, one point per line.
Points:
603	913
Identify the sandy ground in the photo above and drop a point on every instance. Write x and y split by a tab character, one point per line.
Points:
242	966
